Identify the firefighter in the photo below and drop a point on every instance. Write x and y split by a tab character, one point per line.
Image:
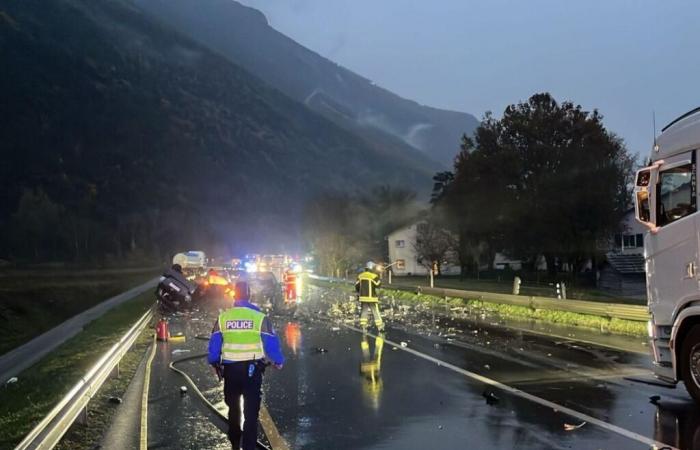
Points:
366	286
242	343
290	285
173	289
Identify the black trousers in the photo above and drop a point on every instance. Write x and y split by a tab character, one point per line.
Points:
237	384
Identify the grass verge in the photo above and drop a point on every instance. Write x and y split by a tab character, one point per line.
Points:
32	303
615	326
39	388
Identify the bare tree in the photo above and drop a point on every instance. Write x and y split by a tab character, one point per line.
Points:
434	245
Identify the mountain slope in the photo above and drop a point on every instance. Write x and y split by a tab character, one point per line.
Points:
244	36
121	135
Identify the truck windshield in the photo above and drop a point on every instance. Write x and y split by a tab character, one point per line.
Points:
676	191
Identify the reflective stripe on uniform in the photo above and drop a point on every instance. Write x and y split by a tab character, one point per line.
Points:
243	356
235	347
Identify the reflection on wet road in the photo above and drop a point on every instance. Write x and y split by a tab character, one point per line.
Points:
344	390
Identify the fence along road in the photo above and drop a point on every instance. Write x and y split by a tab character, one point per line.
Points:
609	310
24	356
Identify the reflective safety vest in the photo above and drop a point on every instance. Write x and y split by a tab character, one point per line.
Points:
242	337
367	285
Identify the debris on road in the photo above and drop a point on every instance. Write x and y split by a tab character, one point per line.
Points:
570	427
183	390
115	400
394	348
487	367
321	350
179	350
335	329
404	344
490	397
12	380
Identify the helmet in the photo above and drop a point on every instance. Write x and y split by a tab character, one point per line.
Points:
242	290
369	265
177	268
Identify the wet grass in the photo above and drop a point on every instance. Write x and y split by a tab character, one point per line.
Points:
604	324
34	301
39	388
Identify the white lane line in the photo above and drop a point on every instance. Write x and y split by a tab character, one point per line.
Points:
524	395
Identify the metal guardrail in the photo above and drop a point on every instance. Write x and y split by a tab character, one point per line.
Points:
51	429
610	310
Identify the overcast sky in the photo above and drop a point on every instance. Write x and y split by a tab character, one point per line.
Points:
625	58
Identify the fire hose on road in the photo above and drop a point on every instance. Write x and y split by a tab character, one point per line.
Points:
270	430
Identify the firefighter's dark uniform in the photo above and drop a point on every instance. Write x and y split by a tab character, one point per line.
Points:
366	287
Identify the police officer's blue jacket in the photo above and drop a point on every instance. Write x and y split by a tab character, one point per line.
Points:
271	343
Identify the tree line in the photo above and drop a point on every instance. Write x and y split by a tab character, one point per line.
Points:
345	230
545	181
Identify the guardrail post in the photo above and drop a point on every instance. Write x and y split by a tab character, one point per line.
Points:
82	418
558	288
516	285
115	371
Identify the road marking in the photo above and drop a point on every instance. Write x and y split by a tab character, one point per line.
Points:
524	395
277	442
273	435
143	442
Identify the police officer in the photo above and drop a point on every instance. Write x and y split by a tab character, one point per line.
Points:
366	286
241	344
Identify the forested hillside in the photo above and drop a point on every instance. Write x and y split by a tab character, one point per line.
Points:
121	137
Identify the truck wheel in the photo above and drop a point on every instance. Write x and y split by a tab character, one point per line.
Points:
690	362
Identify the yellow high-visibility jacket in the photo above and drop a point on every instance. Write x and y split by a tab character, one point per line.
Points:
367	286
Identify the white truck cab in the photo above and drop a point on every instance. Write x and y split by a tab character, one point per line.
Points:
666	202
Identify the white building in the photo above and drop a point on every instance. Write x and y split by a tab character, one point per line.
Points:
631	240
402	254
623	272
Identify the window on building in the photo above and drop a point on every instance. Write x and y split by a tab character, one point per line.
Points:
676	194
399	243
629	240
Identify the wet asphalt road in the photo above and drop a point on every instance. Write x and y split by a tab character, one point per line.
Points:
341	389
